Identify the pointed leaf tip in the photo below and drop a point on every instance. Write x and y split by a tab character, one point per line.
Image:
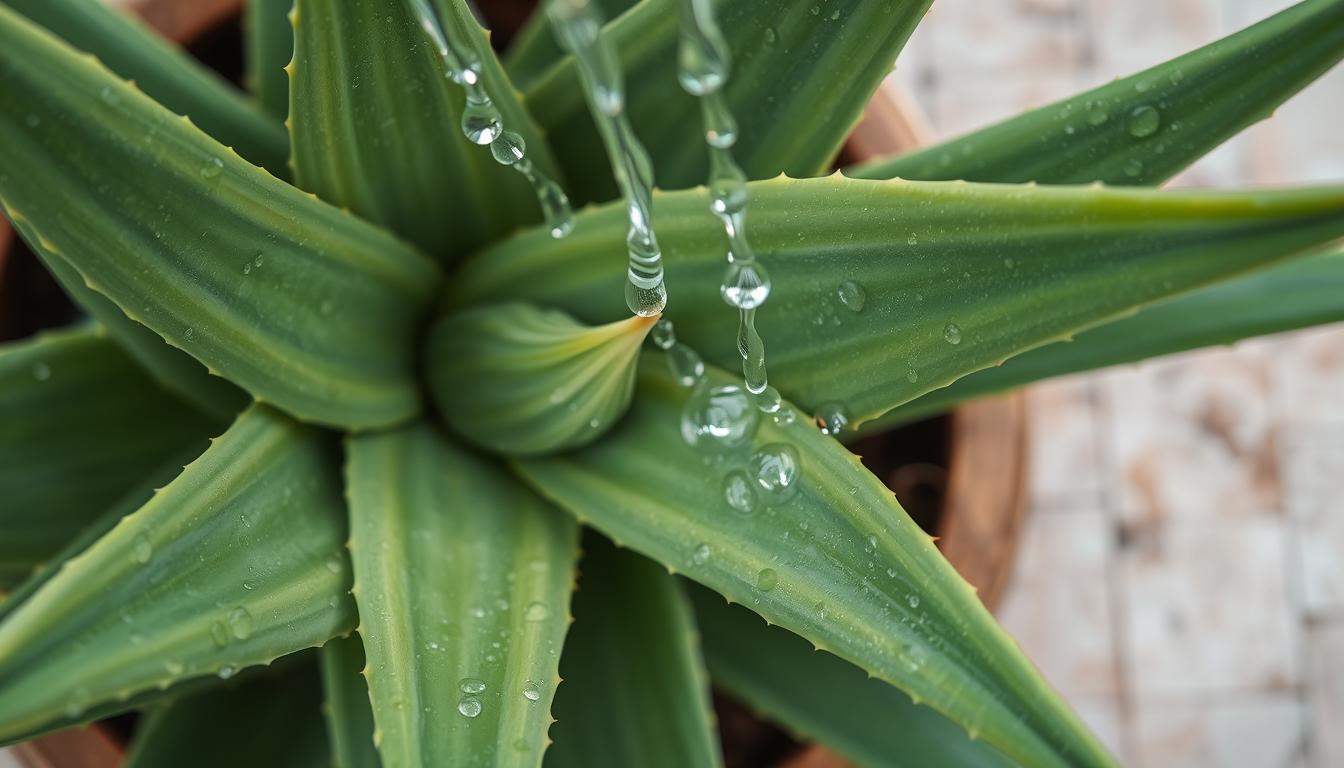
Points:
524	381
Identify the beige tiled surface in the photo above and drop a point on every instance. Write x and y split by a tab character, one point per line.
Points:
1181	576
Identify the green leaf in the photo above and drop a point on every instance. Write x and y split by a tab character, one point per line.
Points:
301	304
822	698
533	51
839	563
163	72
368	82
802	74
266	719
635	689
957	277
519	380
1299	293
66	456
270	46
349	718
234	563
1145	128
463	580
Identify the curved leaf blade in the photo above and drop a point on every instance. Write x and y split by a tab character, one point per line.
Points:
349	718
462	578
969	274
367	81
823	698
236	562
265	719
840	564
163	72
301	304
795	98
1300	293
533	51
1145	128
65	456
635	690
270	47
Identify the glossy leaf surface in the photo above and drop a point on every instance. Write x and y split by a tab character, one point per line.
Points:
1298	293
822	698
236	562
635	690
839	563
267	719
884	291
163	72
524	381
463	580
299	303
1145	128
66	456
367	80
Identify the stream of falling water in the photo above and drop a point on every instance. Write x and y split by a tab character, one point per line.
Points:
482	122
577	25
703	65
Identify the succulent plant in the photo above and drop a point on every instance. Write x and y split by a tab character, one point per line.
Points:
355	377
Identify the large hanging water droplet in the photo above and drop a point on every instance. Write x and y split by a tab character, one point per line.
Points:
664	336
740	492
1144	121
508	148
775	468
702	58
716	419
852	295
645	301
240	623
720	126
952	333
745	285
481	121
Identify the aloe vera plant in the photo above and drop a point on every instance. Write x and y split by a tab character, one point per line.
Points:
406	379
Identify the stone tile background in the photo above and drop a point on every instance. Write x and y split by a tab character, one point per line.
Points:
1181	575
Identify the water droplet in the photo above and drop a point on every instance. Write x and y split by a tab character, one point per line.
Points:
913	239
767	579
769	401
481	122
832	418
226	671
686	366
821	610
1144	121
952	332
537	612
718	418
776	469
212	168
664	336
32	121
1134	167
740	493
852	295
333	564
108	96
870	543
700	555
240	623
41	371
1096	115
508	148
174	667
219	634
471	685
911	375
771	36
531	691
913	600
142	549
746	285
469	706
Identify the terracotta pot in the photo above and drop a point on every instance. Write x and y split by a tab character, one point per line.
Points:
981	479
